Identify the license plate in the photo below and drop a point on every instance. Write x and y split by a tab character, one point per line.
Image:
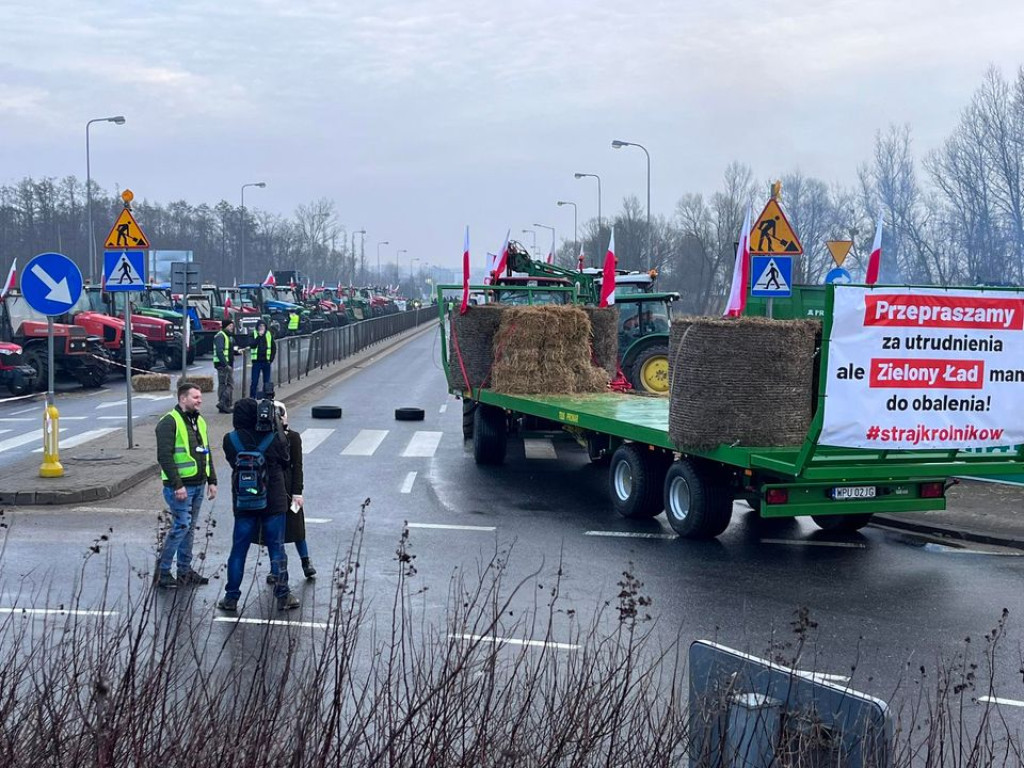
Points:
854	492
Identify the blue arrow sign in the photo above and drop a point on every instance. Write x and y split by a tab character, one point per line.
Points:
51	283
838	275
124	270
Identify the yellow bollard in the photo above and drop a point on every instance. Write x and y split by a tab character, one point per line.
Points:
51	450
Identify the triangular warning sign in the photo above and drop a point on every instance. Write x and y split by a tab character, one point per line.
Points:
126	233
771	279
839	250
772	233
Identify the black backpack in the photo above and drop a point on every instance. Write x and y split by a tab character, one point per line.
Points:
249	480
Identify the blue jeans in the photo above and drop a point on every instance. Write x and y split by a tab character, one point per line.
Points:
259	367
244	535
184	515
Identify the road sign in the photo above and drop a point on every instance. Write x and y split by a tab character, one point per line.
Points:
773	276
839	250
185	277
126	233
838	275
51	283
772	234
124	270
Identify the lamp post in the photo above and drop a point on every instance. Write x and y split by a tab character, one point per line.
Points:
545	226
533	233
398	261
575	224
411	262
117	120
261	185
616	144
379	244
362	240
594	176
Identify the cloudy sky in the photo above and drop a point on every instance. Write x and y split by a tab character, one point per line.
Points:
418	117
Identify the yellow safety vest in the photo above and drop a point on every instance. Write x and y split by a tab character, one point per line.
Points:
270	344
223	338
293	321
183	459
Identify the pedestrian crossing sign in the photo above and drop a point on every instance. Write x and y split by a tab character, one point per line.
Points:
126	233
773	276
124	270
773	234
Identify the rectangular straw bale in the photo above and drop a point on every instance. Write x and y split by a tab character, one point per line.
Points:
744	381
470	341
605	342
151	382
205	383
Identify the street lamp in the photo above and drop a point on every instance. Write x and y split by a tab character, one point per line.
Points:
594	176
616	144
118	120
533	233
261	185
398	260
575	227
379	244
545	226
411	262
362	241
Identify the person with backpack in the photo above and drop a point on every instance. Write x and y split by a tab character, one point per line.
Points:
259	460
262	352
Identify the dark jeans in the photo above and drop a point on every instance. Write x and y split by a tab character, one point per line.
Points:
259	367
225	387
245	534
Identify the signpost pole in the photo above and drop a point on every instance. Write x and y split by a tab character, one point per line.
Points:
51	466
128	343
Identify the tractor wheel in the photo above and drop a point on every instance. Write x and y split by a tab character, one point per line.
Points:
842	523
326	412
191	356
490	435
305	326
36	357
172	358
649	372
468	413
634	481
409	414
697	505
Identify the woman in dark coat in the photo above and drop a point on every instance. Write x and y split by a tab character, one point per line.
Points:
295	523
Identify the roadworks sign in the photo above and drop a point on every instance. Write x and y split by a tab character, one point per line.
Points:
126	233
772	234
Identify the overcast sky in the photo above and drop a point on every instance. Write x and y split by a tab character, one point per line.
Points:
418	117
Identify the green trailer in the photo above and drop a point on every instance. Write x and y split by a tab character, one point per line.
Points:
839	488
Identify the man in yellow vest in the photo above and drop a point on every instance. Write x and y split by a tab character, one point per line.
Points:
262	352
224	362
186	467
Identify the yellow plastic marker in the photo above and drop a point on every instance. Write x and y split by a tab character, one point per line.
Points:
51	466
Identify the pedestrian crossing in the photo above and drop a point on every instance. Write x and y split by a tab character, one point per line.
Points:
422	444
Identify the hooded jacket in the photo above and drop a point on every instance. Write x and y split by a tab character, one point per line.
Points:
277	456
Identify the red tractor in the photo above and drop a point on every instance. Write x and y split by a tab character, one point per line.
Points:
14	374
90	313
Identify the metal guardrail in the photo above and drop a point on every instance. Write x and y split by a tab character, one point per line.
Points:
298	356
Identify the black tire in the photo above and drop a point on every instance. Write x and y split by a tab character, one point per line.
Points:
634	481
409	414
655	381
842	523
326	411
191	356
598	449
697	504
36	357
92	375
468	413
490	435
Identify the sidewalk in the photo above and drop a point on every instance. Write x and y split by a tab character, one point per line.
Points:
104	468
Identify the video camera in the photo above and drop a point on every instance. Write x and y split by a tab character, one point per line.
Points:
266	411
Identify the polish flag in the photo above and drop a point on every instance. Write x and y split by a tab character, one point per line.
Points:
269	279
875	259
740	272
608	279
465	274
551	253
9	283
501	263
581	258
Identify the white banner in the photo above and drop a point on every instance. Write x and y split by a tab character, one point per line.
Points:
925	368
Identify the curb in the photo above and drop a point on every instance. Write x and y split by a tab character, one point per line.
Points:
947	532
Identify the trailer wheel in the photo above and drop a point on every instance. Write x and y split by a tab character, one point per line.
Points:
696	504
634	482
490	435
468	412
842	523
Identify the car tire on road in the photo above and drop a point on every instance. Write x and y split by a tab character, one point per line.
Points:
326	411
409	414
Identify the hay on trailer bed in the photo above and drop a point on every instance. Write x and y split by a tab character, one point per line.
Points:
605	324
470	349
744	381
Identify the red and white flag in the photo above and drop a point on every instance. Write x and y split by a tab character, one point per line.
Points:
501	262
465	274
551	253
740	272
875	259
580	265
12	276
608	278
269	279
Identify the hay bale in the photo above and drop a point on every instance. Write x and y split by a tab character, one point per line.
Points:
205	383
151	382
470	338
745	381
605	337
545	349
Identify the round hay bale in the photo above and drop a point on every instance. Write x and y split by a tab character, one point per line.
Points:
470	338
605	339
151	382
745	381
205	383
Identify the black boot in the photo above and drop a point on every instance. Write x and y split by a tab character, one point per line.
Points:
307	569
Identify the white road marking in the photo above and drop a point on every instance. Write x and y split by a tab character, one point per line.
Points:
365	443
318	519
514	641
932	547
118	418
85	437
423	445
113	510
539	448
112	404
24	410
407	484
803	543
442	527
20	440
2	431
996	700
443	408
631	535
153	396
21	418
270	622
74	418
57	611
313	437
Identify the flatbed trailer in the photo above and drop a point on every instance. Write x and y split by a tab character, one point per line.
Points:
840	488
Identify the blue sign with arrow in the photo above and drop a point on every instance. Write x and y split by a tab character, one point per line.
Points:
51	283
838	275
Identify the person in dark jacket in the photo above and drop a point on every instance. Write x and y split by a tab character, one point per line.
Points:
295	523
183	453
224	362
262	351
249	522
